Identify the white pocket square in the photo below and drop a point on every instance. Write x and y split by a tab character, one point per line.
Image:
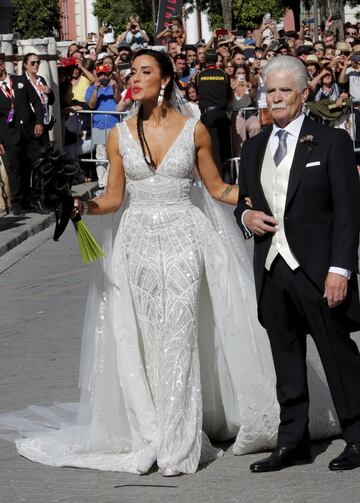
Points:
315	163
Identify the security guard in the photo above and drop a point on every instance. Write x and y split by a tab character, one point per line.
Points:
214	95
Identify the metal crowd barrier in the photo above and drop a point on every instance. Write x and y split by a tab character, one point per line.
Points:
87	133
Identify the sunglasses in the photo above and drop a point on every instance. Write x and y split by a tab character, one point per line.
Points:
351	33
33	63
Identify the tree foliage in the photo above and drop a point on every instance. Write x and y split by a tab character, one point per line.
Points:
115	13
36	18
242	13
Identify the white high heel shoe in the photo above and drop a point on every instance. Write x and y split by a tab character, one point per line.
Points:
169	472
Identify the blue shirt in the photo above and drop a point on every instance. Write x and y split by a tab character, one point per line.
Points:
106	102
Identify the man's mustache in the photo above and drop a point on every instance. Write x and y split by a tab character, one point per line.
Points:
278	106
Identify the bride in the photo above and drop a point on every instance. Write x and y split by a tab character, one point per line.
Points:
172	352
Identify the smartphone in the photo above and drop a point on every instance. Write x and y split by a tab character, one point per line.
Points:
337	52
170	27
267	18
123	66
133	26
107	29
308	20
336	17
241	78
221	32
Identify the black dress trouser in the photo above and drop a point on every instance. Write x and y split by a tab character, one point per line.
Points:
19	162
217	123
292	306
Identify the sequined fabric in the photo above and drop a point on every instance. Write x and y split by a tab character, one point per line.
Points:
164	262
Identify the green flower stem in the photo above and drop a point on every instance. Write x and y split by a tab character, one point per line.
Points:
89	249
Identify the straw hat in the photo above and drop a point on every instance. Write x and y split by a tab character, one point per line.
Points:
343	47
312	60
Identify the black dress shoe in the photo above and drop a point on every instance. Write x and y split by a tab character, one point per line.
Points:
17	210
347	460
280	458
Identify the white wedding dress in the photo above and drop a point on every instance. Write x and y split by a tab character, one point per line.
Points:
172	351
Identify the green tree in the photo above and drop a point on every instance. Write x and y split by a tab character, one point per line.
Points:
239	13
36	18
115	13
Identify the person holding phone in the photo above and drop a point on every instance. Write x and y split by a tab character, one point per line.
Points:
134	35
243	123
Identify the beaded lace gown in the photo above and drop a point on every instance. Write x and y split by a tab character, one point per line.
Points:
172	351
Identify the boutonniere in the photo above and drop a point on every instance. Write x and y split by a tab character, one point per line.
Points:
308	140
20	85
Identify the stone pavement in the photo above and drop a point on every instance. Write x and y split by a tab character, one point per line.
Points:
15	230
43	292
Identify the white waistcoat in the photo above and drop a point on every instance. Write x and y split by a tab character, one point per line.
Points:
274	181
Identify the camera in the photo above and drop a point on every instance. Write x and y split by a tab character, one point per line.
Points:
133	26
170	27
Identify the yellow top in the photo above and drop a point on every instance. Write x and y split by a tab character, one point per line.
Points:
78	92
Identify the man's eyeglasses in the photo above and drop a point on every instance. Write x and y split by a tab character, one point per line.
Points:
33	63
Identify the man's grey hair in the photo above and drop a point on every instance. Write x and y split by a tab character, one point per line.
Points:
291	65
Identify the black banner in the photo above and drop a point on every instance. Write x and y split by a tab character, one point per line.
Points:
167	8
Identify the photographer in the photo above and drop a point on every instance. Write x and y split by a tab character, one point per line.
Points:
103	95
173	32
134	35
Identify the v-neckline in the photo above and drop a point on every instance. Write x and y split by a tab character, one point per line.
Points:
168	150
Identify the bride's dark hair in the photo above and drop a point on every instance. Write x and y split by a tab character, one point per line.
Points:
165	65
166	70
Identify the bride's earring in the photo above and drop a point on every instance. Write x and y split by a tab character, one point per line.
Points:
161	94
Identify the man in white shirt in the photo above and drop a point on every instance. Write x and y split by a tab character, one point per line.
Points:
302	180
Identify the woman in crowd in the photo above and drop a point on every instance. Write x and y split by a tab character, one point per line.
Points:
243	123
31	65
191	94
324	86
230	69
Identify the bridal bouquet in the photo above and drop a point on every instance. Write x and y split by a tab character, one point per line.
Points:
56	178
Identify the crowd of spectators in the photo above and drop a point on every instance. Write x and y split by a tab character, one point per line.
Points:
94	76
333	65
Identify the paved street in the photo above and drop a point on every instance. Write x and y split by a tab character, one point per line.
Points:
43	292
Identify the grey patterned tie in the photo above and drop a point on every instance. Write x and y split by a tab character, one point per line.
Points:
281	151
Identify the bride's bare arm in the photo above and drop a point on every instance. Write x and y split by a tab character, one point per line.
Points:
208	170
112	199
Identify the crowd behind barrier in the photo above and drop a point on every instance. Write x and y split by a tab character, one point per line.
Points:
220	78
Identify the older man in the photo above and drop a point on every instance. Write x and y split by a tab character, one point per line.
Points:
302	180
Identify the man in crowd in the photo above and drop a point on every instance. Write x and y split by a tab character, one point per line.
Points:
103	95
124	52
21	127
214	93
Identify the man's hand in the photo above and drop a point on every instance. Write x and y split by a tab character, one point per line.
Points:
335	289
259	223
38	130
2	149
